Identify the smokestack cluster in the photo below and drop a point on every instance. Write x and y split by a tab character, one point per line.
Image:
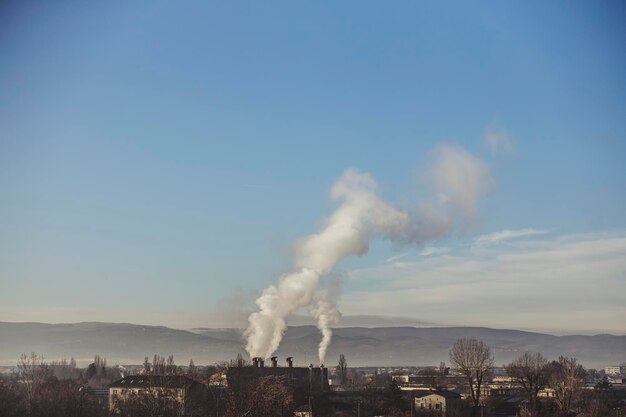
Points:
458	179
258	362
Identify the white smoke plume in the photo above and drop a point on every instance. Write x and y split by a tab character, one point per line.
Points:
458	179
326	314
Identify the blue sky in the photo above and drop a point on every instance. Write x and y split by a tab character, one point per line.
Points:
158	160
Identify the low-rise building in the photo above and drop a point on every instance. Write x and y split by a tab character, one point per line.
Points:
177	388
400	378
546	393
612	370
437	401
615	379
302	412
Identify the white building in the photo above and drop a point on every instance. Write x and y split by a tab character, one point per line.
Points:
612	370
179	389
436	401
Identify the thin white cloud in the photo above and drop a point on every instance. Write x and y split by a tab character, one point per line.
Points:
394	258
498	141
430	251
498	237
564	282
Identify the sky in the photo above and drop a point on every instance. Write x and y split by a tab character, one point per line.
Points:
158	160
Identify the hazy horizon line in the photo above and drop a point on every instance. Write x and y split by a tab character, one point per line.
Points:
408	322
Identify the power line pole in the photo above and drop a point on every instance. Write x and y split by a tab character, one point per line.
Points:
310	388
217	408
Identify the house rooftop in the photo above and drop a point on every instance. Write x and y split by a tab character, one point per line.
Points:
146	381
443	393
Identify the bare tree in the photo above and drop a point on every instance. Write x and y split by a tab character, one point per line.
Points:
272	397
100	364
342	369
566	378
32	371
146	366
267	396
158	365
150	402
12	397
63	370
442	369
192	371
170	367
474	359
530	371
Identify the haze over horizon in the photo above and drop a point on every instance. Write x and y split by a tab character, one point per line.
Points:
297	320
157	162
381	346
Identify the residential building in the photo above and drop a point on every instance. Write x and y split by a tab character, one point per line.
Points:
437	401
180	389
612	370
402	379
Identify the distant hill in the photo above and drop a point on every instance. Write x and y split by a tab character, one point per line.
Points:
383	346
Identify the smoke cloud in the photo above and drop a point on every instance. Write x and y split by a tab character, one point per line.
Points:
458	178
326	314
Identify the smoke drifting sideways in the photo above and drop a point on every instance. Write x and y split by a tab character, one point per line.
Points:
458	179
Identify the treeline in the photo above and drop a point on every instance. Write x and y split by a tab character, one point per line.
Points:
57	388
545	388
61	389
560	387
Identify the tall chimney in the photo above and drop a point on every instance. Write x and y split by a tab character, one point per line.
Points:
255	362
290	361
322	377
261	362
274	361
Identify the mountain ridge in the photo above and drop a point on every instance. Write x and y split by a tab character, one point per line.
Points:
127	343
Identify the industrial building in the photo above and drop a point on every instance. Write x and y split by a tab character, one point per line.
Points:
311	378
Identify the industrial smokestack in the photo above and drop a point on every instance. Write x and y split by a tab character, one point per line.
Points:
255	362
261	362
274	361
290	361
322	376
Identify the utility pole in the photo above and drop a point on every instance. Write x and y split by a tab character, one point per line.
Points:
310	387
217	408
